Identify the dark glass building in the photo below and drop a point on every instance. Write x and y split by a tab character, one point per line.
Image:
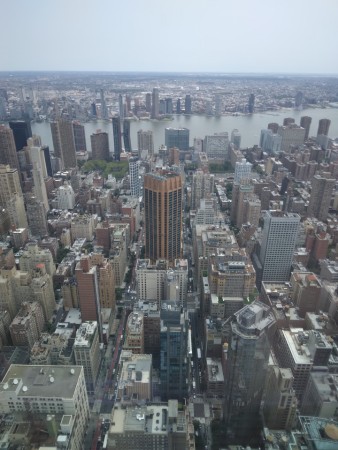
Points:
246	371
177	137
251	104
126	136
79	137
117	138
22	130
48	162
187	105
173	352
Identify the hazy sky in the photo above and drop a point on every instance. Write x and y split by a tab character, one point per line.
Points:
284	36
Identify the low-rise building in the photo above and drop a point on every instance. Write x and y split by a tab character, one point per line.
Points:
51	398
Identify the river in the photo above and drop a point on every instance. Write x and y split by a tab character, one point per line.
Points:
249	126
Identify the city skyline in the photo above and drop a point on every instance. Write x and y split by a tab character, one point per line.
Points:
216	36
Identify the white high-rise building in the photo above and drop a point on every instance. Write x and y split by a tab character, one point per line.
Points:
39	189
279	237
216	146
135	185
36	155
242	170
66	196
291	135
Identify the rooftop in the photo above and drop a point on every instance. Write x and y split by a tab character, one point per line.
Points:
39	381
145	419
85	333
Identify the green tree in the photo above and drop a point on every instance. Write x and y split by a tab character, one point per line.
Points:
61	253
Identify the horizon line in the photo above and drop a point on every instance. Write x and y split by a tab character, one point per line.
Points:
169	72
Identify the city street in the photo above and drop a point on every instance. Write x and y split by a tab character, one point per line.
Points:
104	398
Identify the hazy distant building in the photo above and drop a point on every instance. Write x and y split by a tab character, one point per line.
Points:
270	142
273	126
126	136
291	135
155	104
177	137
100	145
117	138
305	122
299	99
218	105
148	102
324	126
251	104
216	146
93	109
178	106
288	121
187	104
63	142
79	137
168	105
121	107
236	138
104	109
22	130
145	141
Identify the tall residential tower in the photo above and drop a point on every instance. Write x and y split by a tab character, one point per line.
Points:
163	192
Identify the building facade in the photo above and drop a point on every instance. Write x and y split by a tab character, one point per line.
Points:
163	193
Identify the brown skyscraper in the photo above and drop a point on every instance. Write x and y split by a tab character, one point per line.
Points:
323	126
163	215
305	122
88	290
322	187
100	145
63	142
8	153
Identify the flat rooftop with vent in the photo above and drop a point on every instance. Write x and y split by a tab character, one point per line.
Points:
39	381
